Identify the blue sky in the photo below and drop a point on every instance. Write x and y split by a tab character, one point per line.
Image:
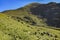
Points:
14	4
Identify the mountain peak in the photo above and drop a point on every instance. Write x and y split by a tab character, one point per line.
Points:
34	4
52	3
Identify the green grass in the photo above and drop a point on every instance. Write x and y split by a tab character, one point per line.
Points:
11	29
20	25
24	13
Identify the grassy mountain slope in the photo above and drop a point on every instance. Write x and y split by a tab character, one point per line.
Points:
23	24
12	30
26	15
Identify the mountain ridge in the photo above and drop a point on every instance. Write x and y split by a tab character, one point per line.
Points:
30	23
49	11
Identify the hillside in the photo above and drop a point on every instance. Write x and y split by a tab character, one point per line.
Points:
32	22
50	12
13	30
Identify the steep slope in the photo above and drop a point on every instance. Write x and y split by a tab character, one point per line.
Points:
50	13
12	30
24	15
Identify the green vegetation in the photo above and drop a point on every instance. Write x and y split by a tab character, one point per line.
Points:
21	24
10	29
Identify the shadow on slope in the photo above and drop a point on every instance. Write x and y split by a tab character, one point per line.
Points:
50	12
